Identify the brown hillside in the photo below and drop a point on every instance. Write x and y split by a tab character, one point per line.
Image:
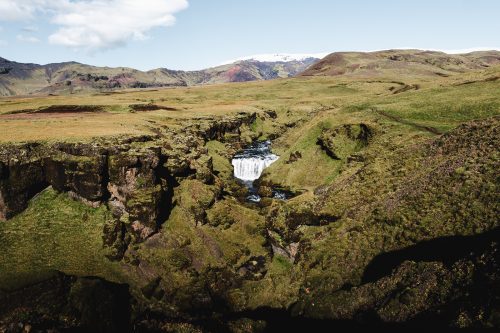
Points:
401	62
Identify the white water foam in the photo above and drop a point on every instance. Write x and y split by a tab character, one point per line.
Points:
251	168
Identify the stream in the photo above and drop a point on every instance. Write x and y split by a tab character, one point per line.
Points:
249	164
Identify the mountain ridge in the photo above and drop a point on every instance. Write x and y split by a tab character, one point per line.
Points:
73	77
401	62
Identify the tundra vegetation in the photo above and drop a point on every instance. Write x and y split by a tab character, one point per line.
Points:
120	212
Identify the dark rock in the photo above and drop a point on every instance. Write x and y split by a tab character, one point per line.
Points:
265	191
136	190
294	157
149	107
102	306
67	303
82	175
5	70
21	177
254	268
342	141
115	238
271	114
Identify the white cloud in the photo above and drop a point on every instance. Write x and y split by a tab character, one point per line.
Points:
27	39
30	28
14	10
96	24
23	10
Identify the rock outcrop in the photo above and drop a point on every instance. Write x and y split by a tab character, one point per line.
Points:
134	177
67	303
339	143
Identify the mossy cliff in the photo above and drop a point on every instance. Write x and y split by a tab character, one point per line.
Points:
134	177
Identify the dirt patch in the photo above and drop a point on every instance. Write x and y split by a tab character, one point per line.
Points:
71	109
54	111
488	79
429	129
404	88
60	109
150	107
43	115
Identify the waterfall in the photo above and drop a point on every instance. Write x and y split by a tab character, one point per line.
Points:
251	168
251	162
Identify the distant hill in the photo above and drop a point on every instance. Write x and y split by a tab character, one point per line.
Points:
406	63
71	77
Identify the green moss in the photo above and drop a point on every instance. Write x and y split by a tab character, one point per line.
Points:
54	233
195	196
281	263
145	196
179	259
313	169
256	125
446	107
221	163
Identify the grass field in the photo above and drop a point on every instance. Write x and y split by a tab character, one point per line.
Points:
437	103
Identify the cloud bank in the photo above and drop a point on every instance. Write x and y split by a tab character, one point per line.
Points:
95	24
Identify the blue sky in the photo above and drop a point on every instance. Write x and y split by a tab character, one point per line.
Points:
195	34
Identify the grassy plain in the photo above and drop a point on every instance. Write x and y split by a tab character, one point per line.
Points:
438	103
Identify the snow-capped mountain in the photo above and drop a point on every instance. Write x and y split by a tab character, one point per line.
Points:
279	57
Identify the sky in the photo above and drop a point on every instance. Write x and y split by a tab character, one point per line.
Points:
196	34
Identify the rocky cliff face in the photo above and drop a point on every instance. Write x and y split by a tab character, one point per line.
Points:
134	177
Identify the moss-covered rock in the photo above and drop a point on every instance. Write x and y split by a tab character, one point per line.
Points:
21	177
196	198
340	142
63	302
417	292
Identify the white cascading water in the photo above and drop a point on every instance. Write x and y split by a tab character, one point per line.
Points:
251	168
249	164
